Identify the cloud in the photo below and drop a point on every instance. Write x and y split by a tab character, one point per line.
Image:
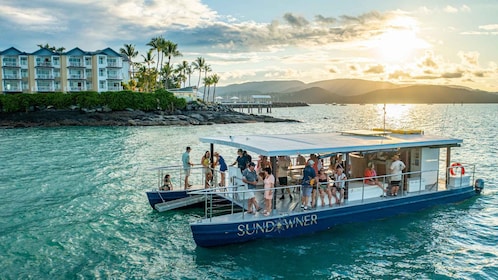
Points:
398	75
453	10
480	74
489	27
450	9
428	61
325	20
32	19
469	58
374	69
295	21
452	75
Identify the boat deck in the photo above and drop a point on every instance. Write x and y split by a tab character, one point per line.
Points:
287	206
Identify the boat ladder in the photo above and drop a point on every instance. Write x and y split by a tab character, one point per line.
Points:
178	203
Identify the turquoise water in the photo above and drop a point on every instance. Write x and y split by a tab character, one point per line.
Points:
72	206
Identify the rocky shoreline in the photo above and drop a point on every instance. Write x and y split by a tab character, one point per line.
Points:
192	115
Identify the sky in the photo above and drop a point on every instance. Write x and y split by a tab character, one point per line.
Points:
400	41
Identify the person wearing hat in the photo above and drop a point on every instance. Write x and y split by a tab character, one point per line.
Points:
309	177
250	177
396	169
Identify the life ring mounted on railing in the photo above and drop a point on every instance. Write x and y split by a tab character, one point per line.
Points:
455	166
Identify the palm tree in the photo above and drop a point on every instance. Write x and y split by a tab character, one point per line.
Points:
60	50
47	46
207	83
199	65
188	72
171	50
165	73
206	69
130	53
149	58
182	70
157	44
214	79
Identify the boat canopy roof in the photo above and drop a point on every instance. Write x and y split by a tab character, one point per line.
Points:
334	142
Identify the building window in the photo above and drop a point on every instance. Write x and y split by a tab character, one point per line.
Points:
56	61
23	61
88	61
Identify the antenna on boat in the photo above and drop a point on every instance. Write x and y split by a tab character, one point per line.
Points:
384	120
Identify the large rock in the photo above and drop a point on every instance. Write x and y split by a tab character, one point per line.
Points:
198	114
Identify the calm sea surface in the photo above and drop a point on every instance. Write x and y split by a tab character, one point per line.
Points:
72	206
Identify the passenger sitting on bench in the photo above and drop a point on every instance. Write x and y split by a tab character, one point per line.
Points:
370	175
167	185
339	185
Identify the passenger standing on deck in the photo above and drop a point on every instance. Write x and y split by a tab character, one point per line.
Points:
263	163
300	160
269	183
250	177
206	164
396	169
241	160
283	164
223	168
309	176
186	167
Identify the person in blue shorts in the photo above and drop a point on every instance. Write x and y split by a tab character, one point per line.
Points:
309	177
223	168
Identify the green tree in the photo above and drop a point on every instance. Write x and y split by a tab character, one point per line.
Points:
206	69
214	80
199	65
157	44
171	50
130	53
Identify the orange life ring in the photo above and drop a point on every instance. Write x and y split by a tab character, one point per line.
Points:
456	165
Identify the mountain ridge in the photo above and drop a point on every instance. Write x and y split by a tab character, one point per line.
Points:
357	91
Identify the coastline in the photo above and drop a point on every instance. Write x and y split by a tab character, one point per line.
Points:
193	115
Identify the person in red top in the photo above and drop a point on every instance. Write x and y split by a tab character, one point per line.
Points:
370	177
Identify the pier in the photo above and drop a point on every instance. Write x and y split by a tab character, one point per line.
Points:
251	106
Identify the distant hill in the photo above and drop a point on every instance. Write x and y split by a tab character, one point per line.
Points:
426	94
349	86
252	88
357	91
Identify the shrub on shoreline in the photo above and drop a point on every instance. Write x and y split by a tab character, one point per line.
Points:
117	101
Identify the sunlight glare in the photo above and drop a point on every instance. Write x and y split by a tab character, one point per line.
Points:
395	114
399	42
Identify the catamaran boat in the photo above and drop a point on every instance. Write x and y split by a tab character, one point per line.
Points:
430	178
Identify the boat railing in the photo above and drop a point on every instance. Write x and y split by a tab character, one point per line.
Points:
238	195
196	178
236	192
460	175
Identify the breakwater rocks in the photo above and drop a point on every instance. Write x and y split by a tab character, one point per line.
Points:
194	114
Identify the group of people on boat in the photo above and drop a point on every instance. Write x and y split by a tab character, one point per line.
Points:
317	180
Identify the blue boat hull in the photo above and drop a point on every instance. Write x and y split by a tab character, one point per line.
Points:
155	197
208	234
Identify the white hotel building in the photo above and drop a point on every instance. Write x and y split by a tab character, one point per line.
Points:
46	71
